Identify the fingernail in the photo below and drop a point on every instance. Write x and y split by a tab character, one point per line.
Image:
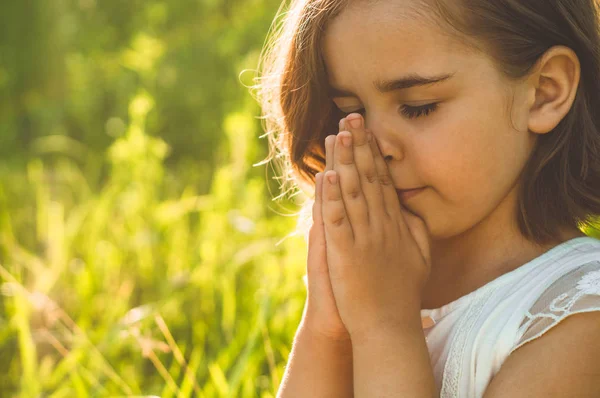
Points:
342	124
355	122
332	177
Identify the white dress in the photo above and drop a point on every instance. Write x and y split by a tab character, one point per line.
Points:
469	338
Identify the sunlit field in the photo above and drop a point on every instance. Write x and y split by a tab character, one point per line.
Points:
141	250
145	287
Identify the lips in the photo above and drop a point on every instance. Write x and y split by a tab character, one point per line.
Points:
404	194
408	189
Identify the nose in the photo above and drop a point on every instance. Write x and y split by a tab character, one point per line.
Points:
387	140
388	151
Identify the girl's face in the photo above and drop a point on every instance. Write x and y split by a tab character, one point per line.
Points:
463	149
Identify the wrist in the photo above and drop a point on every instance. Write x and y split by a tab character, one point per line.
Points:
409	325
310	334
320	328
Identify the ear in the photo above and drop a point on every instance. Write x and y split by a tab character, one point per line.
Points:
553	86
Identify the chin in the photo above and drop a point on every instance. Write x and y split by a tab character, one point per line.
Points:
438	232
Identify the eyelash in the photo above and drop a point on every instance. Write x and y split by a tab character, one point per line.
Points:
409	111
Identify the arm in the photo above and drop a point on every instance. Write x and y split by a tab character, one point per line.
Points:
318	367
394	363
563	362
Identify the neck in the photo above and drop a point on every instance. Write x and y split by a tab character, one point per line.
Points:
465	262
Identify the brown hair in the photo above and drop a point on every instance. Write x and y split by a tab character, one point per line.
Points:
561	180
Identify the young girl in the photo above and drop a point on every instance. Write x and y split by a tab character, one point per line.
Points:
454	148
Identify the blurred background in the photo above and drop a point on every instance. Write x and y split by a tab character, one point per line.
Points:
141	252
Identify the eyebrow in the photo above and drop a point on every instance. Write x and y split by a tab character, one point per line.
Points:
403	83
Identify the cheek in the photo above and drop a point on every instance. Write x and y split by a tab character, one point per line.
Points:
467	184
471	163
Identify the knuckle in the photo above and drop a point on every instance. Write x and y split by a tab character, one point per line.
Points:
385	179
338	221
346	160
371	176
361	140
337	217
353	193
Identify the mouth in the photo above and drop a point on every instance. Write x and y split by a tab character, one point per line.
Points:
405	194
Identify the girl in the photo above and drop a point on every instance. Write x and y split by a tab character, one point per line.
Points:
446	256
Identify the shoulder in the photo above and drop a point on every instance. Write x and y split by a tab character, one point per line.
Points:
564	362
558	353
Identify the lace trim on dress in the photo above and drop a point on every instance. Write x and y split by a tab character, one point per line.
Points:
453	368
576	292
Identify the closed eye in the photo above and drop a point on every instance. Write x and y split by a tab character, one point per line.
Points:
411	112
418	111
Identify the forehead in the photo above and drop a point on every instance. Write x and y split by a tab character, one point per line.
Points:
387	38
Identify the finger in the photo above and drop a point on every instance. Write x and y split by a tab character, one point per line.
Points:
329	148
349	182
389	193
365	163
317	250
420	233
316	210
338	230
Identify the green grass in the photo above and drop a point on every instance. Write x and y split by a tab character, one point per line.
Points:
144	287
